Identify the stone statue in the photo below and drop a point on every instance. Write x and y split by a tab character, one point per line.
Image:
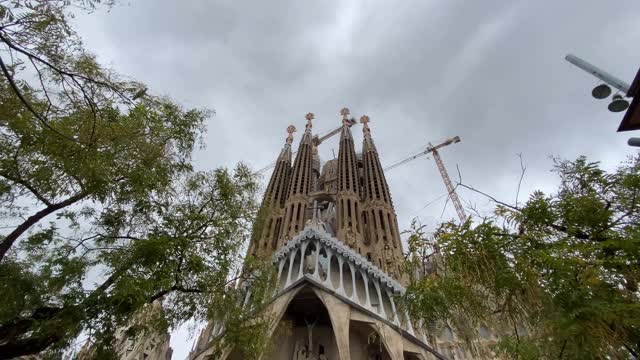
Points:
296	350
310	263
374	352
389	266
310	326
350	238
321	354
300	351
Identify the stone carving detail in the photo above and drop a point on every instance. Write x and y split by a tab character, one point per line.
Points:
389	261
310	263
300	351
350	238
323	238
303	351
290	130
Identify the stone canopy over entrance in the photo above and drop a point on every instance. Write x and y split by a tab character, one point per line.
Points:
331	303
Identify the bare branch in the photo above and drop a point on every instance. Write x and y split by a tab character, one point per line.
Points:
489	196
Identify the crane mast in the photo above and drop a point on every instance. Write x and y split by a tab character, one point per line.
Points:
443	172
450	189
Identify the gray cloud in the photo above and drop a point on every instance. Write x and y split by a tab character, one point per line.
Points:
491	72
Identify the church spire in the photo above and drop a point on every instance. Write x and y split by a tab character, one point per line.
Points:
348	189
299	185
276	190
375	183
270	217
368	141
381	233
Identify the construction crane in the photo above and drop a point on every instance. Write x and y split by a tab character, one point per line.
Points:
316	142
443	172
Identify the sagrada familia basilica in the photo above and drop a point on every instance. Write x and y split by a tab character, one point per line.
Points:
332	234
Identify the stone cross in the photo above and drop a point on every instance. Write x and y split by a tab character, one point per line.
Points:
309	117
290	129
364	120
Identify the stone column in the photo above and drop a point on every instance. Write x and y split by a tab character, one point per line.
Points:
340	315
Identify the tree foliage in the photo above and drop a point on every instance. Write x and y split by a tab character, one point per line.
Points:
555	278
102	211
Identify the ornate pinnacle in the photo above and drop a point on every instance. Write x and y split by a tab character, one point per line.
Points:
364	120
345	114
309	117
290	129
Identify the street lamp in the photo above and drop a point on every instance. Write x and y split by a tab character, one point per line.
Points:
631	120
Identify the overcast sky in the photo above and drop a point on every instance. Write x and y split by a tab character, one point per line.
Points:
491	72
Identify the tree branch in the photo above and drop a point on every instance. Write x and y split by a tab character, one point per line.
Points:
562	350
28	186
30	345
44	88
489	196
177	288
8	241
26	103
11	45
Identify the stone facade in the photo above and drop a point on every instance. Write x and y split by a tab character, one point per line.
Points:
350	193
145	345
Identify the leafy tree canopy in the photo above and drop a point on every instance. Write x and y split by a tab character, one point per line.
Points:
556	277
102	212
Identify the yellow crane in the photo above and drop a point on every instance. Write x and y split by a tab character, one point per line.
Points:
443	172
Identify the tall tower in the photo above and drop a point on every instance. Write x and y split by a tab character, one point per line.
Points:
295	205
348	184
272	208
382	237
332	235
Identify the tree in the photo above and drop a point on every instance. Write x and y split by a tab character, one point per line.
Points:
556	277
102	211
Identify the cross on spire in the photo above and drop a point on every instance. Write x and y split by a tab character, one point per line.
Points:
309	117
345	114
364	120
290	129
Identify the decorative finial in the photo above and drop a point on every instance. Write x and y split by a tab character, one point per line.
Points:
290	129
364	120
309	117
345	115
